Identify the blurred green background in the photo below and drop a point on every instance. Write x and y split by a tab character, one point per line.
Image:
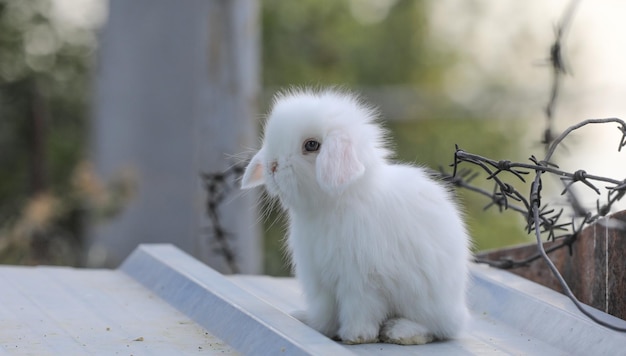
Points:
327	43
48	190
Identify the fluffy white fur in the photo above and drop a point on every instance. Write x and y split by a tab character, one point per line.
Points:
380	248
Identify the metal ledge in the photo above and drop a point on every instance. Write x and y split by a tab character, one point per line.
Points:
245	322
541	313
510	315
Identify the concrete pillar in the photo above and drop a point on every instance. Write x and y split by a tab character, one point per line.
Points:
176	94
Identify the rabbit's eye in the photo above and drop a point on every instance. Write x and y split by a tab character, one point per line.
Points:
311	145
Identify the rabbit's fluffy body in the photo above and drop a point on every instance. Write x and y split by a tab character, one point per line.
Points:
380	248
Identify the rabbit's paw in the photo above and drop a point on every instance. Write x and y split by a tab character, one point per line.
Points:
405	332
359	335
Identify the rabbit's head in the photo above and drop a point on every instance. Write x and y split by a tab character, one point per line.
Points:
316	145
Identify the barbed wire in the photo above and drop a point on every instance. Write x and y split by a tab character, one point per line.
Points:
557	63
550	220
541	218
558	67
218	186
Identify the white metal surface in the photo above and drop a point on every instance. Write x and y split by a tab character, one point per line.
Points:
67	311
244	321
510	315
162	301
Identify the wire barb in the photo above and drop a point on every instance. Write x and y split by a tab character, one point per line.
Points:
541	219
218	185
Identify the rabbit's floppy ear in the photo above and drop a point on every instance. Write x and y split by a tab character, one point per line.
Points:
337	163
254	174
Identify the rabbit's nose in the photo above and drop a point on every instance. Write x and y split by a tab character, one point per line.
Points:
274	166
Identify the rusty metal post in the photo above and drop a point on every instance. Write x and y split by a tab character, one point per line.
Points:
595	271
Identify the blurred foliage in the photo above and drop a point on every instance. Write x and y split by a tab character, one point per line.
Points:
50	228
43	101
324	43
46	190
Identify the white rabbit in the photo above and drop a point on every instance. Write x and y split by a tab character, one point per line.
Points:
380	248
